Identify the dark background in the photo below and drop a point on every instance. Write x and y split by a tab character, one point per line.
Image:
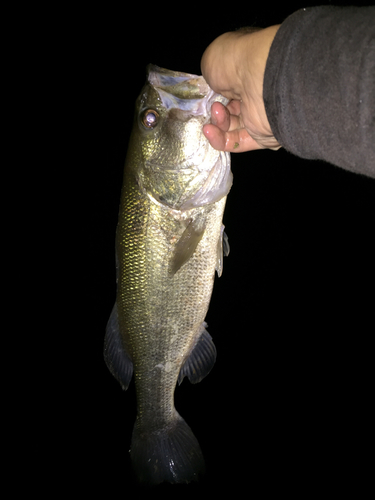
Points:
287	405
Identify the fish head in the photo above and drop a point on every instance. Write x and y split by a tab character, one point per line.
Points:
176	165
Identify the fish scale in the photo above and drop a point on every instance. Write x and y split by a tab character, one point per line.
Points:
166	261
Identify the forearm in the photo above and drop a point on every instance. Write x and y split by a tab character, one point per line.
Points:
319	89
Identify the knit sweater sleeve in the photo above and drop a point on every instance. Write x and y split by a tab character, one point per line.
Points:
319	86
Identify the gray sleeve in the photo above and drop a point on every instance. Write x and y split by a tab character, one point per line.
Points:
319	86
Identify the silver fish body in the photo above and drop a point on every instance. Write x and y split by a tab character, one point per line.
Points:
169	242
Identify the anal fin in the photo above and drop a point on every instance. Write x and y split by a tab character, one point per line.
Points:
201	360
115	356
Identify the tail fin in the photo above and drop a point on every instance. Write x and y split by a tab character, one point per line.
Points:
172	454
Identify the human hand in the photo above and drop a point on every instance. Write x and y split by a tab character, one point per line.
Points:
234	65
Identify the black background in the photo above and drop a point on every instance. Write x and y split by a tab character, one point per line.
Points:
287	406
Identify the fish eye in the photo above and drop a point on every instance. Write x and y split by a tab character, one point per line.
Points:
150	118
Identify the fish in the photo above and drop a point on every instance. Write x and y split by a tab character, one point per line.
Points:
170	240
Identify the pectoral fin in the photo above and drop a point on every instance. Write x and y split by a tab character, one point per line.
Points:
187	244
222	251
115	356
201	360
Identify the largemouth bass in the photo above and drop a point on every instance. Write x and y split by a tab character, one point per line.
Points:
169	241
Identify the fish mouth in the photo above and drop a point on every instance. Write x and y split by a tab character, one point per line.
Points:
181	85
184	91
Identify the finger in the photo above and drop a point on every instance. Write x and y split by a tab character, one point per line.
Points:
222	116
234	107
215	136
236	141
239	141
